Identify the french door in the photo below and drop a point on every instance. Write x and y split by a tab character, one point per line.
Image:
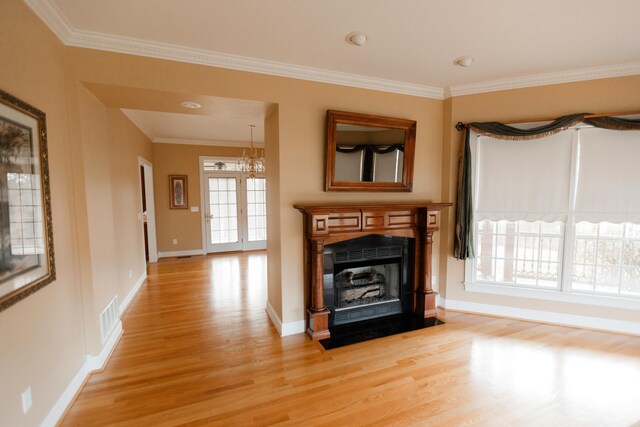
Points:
235	212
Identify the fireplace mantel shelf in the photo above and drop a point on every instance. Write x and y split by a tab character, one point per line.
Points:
327	224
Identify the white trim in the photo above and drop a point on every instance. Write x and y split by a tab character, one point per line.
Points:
96	363
135	119
132	293
555	295
55	20
292	328
181	253
284	329
273	316
597	323
151	210
203	222
91	364
131	115
67	396
594	73
210	143
70	36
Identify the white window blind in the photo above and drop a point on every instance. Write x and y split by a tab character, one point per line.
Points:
388	167
349	166
608	176
524	180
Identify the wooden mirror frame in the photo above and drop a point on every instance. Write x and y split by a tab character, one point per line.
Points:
342	117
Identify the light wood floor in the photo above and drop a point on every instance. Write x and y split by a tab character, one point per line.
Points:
198	349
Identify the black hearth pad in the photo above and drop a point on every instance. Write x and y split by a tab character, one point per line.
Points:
352	333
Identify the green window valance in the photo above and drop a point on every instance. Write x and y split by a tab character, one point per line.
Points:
464	245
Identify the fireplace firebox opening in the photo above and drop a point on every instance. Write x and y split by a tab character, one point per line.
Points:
368	277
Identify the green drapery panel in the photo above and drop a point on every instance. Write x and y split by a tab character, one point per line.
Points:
463	245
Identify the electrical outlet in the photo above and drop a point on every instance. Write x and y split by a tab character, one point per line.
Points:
175	241
26	400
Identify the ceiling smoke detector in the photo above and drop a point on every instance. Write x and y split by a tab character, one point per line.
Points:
190	105
463	61
357	38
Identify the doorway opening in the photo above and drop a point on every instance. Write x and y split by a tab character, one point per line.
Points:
147	214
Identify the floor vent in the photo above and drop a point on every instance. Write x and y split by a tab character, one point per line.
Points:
109	318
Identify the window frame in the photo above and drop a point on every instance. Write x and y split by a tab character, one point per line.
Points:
564	293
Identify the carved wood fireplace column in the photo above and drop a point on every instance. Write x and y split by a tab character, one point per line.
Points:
425	297
318	313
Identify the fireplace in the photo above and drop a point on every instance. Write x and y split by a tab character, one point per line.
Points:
347	250
368	277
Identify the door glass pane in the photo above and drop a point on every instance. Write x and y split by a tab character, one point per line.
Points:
222	206
256	209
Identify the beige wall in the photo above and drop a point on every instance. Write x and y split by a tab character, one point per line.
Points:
102	283
302	108
274	243
597	96
42	336
95	196
181	224
126	144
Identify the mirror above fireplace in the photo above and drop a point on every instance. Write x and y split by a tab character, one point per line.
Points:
369	153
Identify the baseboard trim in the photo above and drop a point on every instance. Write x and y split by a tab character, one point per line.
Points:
97	363
124	305
68	395
292	328
90	365
574	320
273	316
190	252
284	329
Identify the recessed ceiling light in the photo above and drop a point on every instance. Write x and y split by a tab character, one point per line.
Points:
463	61
190	105
357	38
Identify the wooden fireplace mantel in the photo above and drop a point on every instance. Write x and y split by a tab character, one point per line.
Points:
327	224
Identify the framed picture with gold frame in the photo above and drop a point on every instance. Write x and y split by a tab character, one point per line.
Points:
178	192
26	236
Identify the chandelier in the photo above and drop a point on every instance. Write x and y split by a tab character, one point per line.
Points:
252	161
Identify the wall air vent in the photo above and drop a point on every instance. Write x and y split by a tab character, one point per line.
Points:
108	318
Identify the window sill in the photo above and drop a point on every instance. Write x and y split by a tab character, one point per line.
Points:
554	295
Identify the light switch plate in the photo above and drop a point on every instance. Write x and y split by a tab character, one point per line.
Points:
26	400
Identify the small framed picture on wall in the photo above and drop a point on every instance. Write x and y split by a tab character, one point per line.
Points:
178	192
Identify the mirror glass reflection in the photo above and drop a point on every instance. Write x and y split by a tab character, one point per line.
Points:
369	154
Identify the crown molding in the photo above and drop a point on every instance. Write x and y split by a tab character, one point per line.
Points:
55	20
48	12
185	141
618	70
131	114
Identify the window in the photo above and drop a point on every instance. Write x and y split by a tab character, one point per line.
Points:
560	213
257	209
221	165
607	258
527	254
25	218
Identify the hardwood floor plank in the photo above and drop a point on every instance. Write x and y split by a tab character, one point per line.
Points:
198	349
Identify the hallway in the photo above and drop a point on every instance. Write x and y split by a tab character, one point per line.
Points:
198	349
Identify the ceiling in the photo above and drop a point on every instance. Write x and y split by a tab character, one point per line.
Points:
411	46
